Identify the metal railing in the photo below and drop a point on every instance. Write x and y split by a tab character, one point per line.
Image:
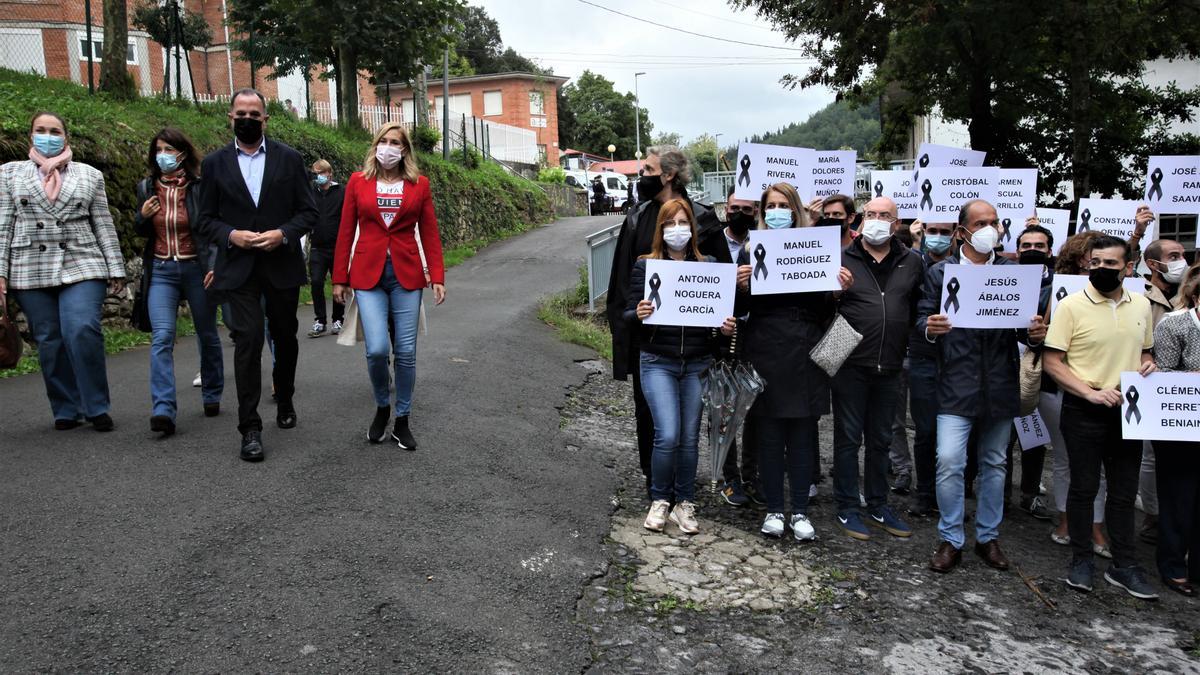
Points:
717	183
601	248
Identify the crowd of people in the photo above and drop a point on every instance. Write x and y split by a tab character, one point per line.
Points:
223	231
961	387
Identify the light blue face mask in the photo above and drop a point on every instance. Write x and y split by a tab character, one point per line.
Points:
937	243
49	144
321	179
777	219
167	162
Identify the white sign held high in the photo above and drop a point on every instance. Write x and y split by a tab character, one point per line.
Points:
931	155
1160	407
898	185
760	166
1173	184
1057	221
942	191
1069	284
990	296
1032	431
832	173
690	293
1016	200
1111	216
795	260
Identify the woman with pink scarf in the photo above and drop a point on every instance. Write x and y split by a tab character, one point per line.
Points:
59	256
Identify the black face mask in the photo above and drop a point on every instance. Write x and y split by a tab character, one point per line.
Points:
648	187
248	130
740	223
826	222
1033	257
1105	279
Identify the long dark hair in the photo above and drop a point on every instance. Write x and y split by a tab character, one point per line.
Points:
178	140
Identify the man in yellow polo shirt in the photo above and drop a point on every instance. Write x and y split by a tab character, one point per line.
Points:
1095	335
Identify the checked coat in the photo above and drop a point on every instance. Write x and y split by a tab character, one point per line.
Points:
43	245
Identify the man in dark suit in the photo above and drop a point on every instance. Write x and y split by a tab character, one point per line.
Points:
255	203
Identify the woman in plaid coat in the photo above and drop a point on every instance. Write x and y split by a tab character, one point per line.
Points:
60	256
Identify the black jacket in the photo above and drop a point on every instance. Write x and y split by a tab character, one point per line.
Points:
712	238
918	346
329	216
977	368
884	316
634	241
681	342
285	203
206	251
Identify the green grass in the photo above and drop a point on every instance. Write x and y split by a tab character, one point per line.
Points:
115	340
559	311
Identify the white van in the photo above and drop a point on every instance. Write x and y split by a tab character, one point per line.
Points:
615	184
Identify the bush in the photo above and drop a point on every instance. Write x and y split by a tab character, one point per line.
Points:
552	174
425	138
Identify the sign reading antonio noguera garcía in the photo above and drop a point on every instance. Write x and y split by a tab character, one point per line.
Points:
1160	407
990	296
690	293
795	260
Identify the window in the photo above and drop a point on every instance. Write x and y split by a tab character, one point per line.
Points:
613	183
537	122
98	48
460	104
541	150
537	103
1181	228
493	103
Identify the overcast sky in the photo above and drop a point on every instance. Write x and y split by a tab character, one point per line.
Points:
692	85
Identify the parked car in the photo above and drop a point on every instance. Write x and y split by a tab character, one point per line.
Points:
615	184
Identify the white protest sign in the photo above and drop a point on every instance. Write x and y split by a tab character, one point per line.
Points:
690	293
933	155
991	296
832	173
1160	407
943	190
1173	183
1032	431
1016	200
898	185
1111	216
760	166
795	260
1068	284
1057	221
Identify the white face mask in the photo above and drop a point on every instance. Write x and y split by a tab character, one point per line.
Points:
984	240
1174	272
388	155
876	232
677	237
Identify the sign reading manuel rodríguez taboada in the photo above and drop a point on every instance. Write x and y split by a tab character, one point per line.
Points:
795	260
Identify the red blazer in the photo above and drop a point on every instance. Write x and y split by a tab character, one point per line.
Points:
360	212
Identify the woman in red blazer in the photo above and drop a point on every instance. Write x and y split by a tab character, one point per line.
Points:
388	250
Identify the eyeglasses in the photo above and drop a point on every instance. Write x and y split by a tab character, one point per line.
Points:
879	215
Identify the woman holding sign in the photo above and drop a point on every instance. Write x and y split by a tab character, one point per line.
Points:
1177	467
673	360
781	330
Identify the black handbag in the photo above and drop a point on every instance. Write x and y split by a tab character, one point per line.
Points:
140	319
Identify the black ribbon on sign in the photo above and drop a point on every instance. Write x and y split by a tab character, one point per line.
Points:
745	174
1131	395
1085	221
878	189
1007	222
1062	293
926	198
924	160
760	254
952	294
1155	184
655	284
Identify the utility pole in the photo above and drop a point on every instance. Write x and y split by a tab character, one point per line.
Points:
637	119
717	164
91	46
446	103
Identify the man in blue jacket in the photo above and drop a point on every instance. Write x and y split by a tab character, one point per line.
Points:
978	389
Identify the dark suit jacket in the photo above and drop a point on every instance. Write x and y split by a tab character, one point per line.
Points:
284	203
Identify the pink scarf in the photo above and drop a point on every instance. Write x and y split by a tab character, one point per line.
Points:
52	167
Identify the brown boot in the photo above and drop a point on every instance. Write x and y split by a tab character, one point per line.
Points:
992	555
945	558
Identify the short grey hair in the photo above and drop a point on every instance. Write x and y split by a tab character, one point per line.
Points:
672	160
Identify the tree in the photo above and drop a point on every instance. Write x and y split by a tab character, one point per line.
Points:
114	74
389	40
159	23
1038	85
837	125
599	116
668	138
702	154
477	42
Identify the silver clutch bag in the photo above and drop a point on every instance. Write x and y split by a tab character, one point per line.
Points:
836	346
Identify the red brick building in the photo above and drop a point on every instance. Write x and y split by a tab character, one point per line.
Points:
522	100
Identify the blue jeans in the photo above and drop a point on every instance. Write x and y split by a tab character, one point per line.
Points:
65	322
864	405
170	280
952	434
672	387
923	399
390	300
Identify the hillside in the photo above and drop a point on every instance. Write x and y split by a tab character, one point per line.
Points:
835	126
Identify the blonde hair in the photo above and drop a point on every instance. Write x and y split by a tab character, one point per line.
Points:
799	213
408	164
670	209
321	165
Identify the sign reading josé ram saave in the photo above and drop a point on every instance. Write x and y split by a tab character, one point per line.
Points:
689	293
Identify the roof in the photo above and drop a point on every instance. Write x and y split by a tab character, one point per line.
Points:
556	80
629	167
573	151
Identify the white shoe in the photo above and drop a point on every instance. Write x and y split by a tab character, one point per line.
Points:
197	382
773	525
801	528
684	516
657	518
812	490
336	329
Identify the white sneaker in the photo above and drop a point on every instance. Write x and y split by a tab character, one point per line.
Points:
801	528
812	490
197	382
657	518
773	525
684	516
336	329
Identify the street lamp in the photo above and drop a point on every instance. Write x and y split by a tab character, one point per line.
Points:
637	118
718	163
611	149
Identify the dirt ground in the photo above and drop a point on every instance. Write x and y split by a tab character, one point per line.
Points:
729	600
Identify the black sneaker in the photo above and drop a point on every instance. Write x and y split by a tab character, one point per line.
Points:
903	483
753	493
402	435
379	425
922	507
1132	579
1080	576
733	495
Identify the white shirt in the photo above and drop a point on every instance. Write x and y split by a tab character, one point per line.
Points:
252	167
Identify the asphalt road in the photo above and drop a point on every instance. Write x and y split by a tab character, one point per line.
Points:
124	552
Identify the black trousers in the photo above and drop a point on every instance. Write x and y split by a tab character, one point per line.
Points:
247	304
785	447
1093	437
645	423
749	469
1032	463
320	264
1177	472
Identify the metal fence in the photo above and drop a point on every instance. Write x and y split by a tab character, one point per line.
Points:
716	184
601	247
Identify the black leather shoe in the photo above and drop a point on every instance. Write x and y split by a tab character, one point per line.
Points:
162	424
212	409
252	449
66	425
1184	588
286	417
102	422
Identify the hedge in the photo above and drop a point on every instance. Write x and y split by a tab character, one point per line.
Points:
113	137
